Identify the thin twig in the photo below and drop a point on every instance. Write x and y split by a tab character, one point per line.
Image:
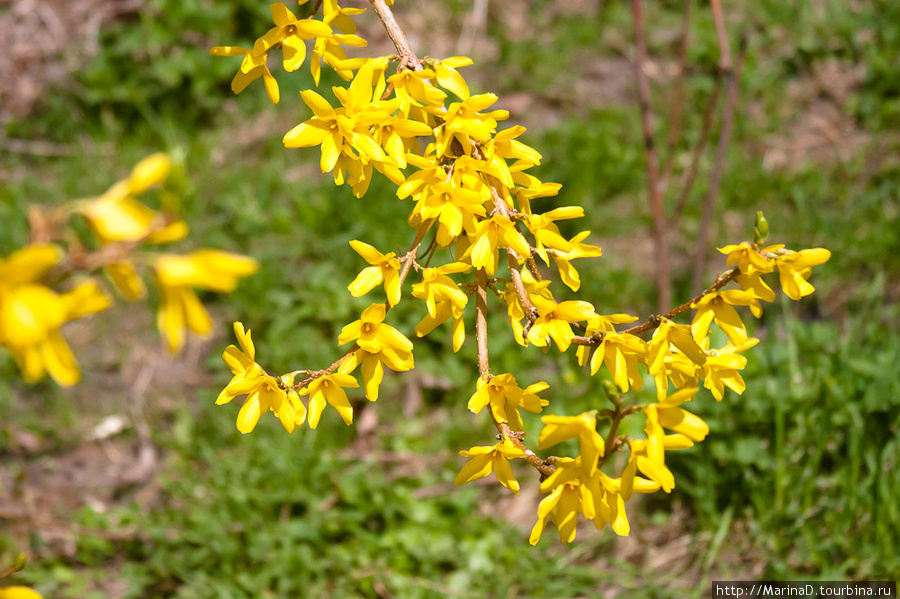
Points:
484	368
691	176
659	227
474	23
678	101
732	81
407	56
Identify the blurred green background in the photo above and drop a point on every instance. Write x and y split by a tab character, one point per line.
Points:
796	480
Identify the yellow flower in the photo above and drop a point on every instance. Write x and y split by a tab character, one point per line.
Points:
463	120
681	421
398	135
748	259
649	454
545	231
666	336
436	286
30	318
372	335
718	306
126	280
19	592
28	264
490	459
722	369
504	396
264	392
490	235
289	34
562	507
795	267
118	216
32	314
372	365
620	352
329	388
385	268
339	16
567	272
176	275
328	49
583	427
554	321
344	133
455	209
414	89
598	324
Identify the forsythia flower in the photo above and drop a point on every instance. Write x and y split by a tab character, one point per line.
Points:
583	427
795	267
562	506
32	314
504	396
719	306
567	272
19	592
117	216
180	308
385	268
620	352
490	235
490	459
329	388
264	392
371	334
379	345
289	33
554	320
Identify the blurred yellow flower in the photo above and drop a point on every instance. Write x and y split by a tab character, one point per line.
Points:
176	275
19	592
31	314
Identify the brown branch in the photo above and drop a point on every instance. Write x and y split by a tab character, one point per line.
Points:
484	369
732	82
659	227
515	437
678	101
691	176
408	58
722	35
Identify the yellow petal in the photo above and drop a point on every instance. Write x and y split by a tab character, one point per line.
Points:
249	414
150	171
477	467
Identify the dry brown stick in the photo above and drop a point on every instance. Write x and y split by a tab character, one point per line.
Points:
484	368
659	226
732	82
722	35
691	176
407	56
678	101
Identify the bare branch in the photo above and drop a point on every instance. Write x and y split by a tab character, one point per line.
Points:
659	226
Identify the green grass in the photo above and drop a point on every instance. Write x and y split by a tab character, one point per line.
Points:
799	470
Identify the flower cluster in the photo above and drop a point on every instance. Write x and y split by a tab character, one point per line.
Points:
47	284
471	193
